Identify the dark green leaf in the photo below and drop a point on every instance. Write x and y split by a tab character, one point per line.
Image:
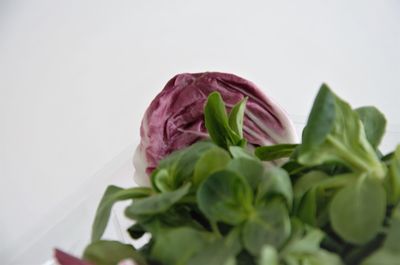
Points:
273	152
374	124
156	203
236	117
225	196
357	211
269	225
111	253
111	196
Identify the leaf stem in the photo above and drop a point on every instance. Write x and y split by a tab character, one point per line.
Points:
353	160
215	228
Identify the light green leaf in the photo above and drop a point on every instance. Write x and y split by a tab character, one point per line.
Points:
240	152
112	195
389	253
225	196
111	252
269	256
303	247
374	123
236	117
357	211
307	181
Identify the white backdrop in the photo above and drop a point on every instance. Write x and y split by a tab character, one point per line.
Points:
76	77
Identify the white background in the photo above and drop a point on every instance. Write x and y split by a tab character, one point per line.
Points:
77	75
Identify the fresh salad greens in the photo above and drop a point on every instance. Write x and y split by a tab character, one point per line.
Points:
335	200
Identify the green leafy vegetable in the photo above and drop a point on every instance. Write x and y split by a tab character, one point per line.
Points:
335	201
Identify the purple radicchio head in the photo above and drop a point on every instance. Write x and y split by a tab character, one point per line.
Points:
175	118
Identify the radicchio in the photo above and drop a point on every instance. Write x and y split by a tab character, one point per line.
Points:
175	118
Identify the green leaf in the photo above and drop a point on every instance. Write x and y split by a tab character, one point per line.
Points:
178	168
218	252
240	152
374	124
217	124
177	246
307	210
389	253
211	161
111	252
251	169
334	132
112	195
225	196
156	203
273	152
275	181
313	192
303	247
269	256
307	181
321	119
269	225
357	211
392	181
236	117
